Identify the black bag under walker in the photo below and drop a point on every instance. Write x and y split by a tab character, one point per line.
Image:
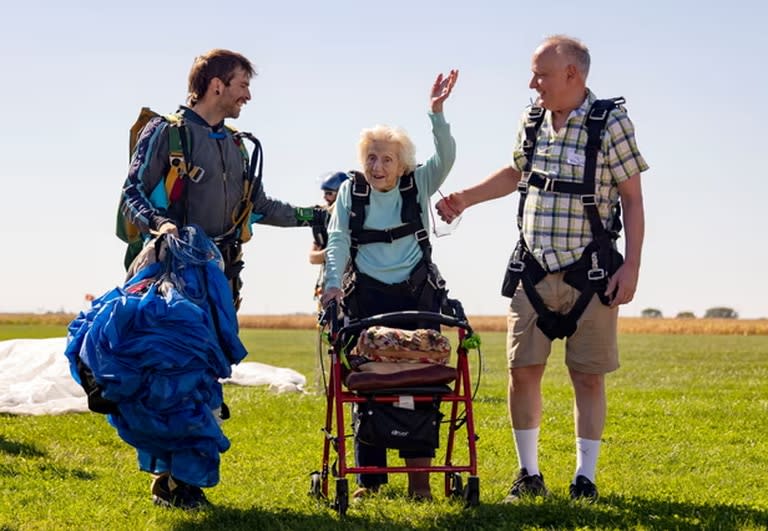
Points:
389	426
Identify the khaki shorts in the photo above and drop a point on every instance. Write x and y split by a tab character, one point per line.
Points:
591	349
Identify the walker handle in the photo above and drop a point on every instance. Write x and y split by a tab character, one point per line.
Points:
395	318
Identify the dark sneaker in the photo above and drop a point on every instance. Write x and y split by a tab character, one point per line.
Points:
583	489
525	486
167	492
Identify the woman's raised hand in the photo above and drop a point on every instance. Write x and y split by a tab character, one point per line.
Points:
442	89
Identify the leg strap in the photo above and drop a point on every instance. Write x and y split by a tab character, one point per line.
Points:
232	253
556	325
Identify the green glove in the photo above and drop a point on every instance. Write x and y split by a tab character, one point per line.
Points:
311	216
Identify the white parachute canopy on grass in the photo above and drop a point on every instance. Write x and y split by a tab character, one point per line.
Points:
35	378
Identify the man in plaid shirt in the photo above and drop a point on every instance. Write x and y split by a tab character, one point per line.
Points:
556	231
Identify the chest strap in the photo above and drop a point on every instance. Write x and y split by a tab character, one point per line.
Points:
410	216
182	171
595	122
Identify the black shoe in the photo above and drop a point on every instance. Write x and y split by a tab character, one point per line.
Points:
526	485
167	492
583	489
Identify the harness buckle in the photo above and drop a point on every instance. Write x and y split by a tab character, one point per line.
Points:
526	145
596	274
534	113
421	235
365	193
522	185
549	184
437	284
196	174
410	184
589	200
516	266
598	114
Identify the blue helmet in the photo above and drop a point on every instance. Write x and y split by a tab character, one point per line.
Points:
333	181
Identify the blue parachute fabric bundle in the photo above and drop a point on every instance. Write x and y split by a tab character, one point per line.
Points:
157	347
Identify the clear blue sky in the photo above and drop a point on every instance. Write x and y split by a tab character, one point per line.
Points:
75	78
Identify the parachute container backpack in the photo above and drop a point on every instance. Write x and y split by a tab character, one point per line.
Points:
172	190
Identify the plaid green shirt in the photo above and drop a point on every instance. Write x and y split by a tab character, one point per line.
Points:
554	224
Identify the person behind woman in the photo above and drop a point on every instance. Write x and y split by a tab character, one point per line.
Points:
389	269
330	187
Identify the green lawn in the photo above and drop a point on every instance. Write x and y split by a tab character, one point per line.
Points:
684	448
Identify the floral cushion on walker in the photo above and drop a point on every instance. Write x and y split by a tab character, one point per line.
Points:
381	343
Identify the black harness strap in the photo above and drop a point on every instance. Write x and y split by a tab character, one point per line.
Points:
425	283
590	273
595	124
253	168
532	125
410	216
361	197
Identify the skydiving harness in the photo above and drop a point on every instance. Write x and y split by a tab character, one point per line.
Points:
181	170
589	274
425	282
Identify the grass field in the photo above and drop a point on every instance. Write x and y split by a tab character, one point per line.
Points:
684	448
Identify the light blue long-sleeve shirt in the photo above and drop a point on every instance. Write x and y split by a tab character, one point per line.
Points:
388	262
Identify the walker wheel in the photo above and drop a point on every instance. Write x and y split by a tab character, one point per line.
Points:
315	485
455	485
341	504
472	492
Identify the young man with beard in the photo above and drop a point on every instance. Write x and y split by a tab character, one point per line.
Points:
211	188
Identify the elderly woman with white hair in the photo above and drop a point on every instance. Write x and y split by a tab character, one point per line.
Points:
378	246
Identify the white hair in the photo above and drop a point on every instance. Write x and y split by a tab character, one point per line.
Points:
573	49
385	133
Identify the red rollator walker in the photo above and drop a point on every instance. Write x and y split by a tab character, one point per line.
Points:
403	398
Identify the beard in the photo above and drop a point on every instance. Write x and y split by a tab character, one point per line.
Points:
233	111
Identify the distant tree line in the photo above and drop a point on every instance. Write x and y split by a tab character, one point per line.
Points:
718	312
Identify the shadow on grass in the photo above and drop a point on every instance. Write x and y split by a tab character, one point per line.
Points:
256	518
44	469
16	448
612	512
51	470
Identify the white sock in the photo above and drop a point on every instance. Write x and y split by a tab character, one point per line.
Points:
527	444
587	451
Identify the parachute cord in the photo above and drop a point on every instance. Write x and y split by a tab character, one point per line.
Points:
187	256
